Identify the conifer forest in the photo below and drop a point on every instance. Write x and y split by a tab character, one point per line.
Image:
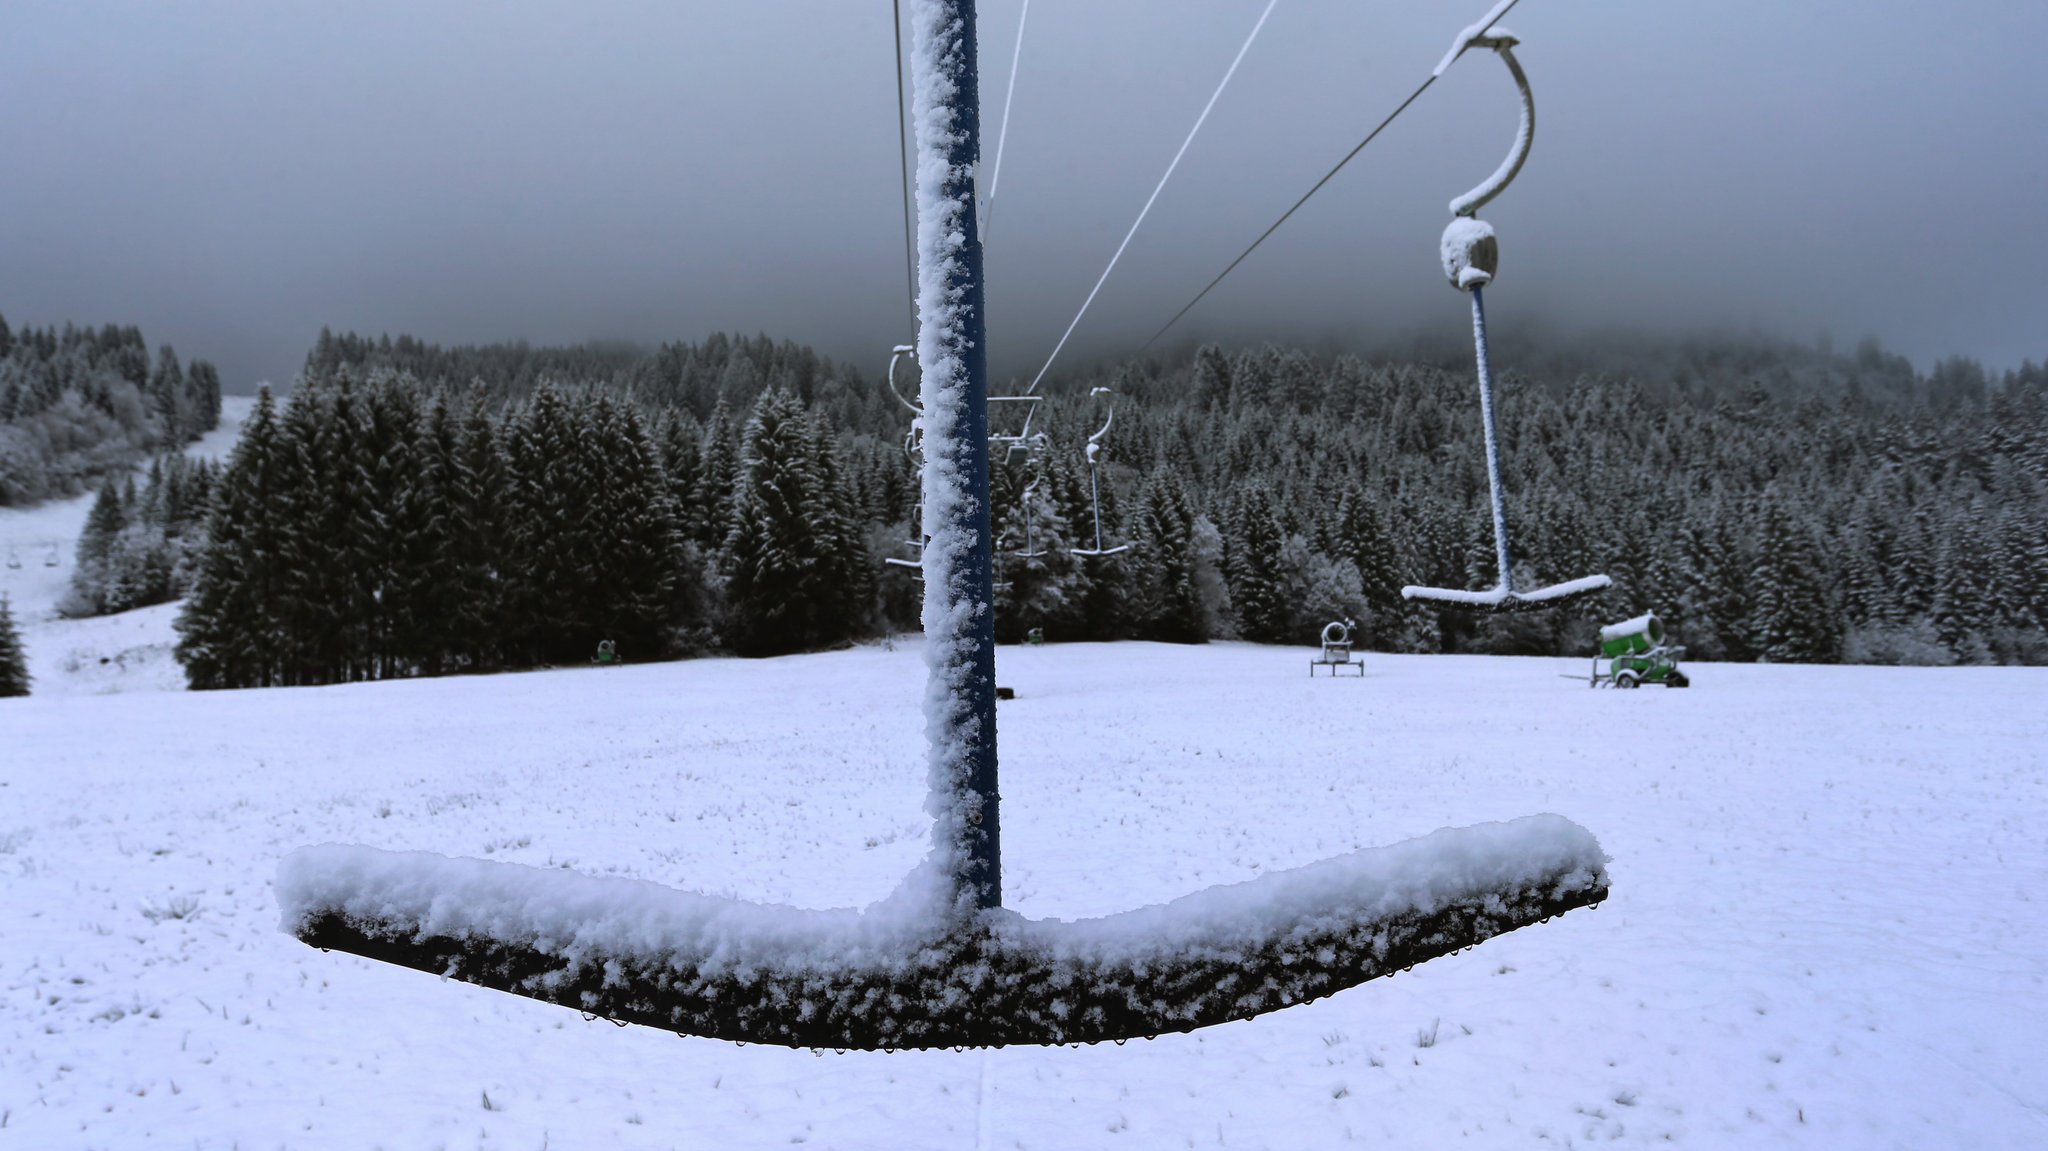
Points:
81	403
418	510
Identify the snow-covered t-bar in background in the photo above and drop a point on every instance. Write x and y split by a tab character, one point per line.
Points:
1470	252
940	962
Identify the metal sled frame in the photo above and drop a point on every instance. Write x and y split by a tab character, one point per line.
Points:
941	963
1503	597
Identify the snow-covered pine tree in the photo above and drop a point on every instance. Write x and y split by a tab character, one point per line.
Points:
14	677
682	464
1168	598
1210	388
347	467
167	398
1316	587
633	536
474	501
228	630
838	524
309	583
1963	611
711	510
399	542
91	579
778	593
1039	581
440	478
202	387
1358	533
1252	563
548	588
1794	619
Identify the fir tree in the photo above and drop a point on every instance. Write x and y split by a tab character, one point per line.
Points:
549	595
1252	563
779	589
229	629
1793	615
167	397
1041	582
1357	533
14	677
1170	606
711	508
474	503
633	543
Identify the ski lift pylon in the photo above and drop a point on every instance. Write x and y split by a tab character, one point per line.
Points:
940	962
1471	256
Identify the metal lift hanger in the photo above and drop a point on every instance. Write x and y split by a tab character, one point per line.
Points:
941	963
1095	479
1471	255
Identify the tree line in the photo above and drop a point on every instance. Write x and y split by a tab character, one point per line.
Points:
78	403
1769	500
140	545
369	532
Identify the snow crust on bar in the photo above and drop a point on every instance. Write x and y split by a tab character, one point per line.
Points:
587	921
1418	876
1472	32
1628	627
1500	595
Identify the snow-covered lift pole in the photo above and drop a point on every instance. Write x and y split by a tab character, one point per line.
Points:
959	553
940	962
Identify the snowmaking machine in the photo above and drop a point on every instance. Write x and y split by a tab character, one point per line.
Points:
1633	653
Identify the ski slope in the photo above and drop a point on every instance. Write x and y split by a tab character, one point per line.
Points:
32	537
1825	930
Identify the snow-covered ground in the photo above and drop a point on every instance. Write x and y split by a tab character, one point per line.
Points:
1825	931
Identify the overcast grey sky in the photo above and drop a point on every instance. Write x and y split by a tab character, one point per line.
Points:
232	176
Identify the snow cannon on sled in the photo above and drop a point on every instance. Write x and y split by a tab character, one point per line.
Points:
1471	258
1336	651
940	962
1633	653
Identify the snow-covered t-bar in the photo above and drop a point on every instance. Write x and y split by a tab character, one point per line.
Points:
940	962
891	977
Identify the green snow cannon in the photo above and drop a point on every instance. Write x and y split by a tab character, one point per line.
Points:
1633	653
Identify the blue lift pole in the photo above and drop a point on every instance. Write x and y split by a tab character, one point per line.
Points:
959	560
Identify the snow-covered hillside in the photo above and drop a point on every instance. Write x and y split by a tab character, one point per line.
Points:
32	537
114	653
1824	928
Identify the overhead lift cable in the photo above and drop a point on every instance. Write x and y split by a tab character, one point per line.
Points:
1104	278
995	176
903	170
1485	25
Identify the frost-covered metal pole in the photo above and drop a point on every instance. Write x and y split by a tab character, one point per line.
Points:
1500	503
959	592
